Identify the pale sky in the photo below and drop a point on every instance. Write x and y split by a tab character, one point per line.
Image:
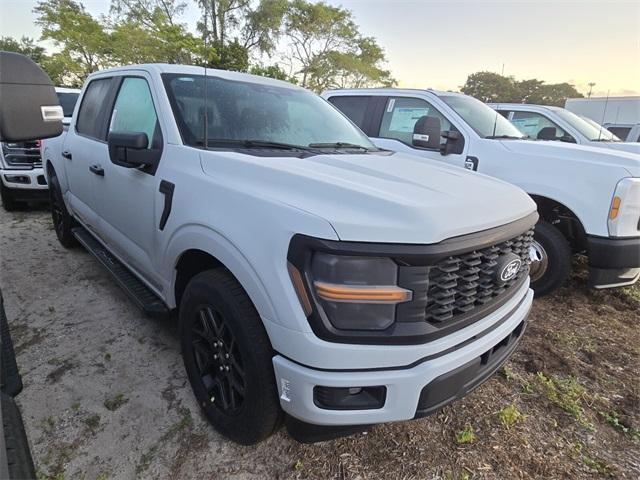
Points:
438	43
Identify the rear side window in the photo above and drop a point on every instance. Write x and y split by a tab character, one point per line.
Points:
621	132
91	114
353	107
535	125
67	102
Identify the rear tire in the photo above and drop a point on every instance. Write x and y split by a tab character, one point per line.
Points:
63	222
228	358
550	259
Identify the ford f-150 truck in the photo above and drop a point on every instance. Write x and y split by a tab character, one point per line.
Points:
21	176
546	122
588	198
311	272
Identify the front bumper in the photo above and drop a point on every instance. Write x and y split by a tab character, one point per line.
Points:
412	390
24	179
613	262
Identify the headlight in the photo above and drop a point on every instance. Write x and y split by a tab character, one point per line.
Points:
350	292
357	293
624	212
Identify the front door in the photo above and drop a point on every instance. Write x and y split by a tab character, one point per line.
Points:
396	129
126	197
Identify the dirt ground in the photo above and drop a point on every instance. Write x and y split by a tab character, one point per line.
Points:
106	395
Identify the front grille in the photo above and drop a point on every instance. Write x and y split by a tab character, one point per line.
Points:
22	154
459	284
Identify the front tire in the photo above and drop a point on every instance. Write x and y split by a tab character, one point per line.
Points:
63	222
550	259
8	201
228	358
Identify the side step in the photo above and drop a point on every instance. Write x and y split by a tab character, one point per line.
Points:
141	295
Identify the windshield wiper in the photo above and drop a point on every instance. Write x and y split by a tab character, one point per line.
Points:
505	137
338	145
247	143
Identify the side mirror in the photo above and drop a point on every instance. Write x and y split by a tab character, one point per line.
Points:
567	138
129	149
426	133
29	109
454	143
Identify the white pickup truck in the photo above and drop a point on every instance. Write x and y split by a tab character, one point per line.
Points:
544	122
588	198
21	176
311	272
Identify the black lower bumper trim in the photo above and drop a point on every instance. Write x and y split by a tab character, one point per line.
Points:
613	253
464	379
28	194
308	433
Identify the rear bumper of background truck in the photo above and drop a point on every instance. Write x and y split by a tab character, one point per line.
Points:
409	391
613	262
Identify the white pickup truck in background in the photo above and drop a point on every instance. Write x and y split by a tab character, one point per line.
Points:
544	122
21	176
311	272
588	198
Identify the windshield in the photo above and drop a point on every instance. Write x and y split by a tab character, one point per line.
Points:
67	102
240	111
487	122
590	129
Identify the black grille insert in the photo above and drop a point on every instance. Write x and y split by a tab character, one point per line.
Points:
461	283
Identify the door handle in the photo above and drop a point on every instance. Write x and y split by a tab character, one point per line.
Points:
97	169
166	188
67	154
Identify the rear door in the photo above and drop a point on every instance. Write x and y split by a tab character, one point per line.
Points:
84	144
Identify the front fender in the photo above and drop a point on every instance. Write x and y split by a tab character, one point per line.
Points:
200	237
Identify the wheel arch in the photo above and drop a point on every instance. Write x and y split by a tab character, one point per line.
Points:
564	219
196	248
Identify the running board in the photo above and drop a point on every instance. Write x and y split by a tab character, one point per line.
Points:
137	291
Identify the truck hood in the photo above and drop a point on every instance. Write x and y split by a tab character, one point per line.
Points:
395	198
622	146
571	152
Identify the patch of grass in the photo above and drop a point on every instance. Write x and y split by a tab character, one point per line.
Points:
48	424
596	464
298	466
564	393
510	415
632	292
465	436
116	402
107	357
101	476
184	422
613	419
93	422
75	407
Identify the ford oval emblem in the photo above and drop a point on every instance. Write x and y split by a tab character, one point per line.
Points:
510	270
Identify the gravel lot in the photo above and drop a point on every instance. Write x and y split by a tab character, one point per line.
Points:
106	395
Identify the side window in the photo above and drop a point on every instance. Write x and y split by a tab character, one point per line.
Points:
353	107
134	110
621	132
91	113
537	126
402	113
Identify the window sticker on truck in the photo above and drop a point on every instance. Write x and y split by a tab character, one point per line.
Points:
404	119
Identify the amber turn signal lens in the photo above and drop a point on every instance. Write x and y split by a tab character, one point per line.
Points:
353	293
298	285
615	206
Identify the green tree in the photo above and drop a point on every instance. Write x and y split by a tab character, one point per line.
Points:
25	46
147	31
85	45
329	50
272	71
491	87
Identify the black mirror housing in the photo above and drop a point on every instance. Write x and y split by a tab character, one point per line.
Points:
29	109
130	149
426	133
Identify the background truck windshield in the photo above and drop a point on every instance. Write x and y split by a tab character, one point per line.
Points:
487	122
252	111
589	129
